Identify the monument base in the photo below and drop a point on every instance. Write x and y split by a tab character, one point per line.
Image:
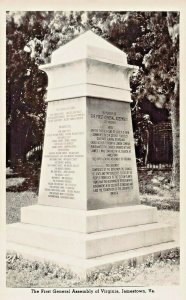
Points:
85	267
85	241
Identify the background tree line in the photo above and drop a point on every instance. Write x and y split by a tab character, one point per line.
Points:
150	39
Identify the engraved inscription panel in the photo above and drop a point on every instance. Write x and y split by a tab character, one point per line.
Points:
64	154
112	176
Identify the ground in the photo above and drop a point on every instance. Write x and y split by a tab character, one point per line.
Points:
23	273
162	271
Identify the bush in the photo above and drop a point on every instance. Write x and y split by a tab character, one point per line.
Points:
31	172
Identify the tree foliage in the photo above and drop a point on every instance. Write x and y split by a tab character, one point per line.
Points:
26	85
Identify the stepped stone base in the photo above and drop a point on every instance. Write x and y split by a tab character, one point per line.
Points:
89	245
88	221
84	241
84	267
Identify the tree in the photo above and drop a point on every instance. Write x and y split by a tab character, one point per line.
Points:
158	78
26	84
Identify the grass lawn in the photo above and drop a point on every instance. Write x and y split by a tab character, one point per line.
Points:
14	201
23	273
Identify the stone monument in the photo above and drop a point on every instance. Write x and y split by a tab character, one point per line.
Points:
88	215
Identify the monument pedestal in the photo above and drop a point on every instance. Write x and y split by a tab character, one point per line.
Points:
88	214
88	241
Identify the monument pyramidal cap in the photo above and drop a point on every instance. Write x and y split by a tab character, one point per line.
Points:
89	45
89	215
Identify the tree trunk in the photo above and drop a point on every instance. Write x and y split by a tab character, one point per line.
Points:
173	28
176	143
147	147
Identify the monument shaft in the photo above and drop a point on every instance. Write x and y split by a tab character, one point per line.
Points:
88	158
